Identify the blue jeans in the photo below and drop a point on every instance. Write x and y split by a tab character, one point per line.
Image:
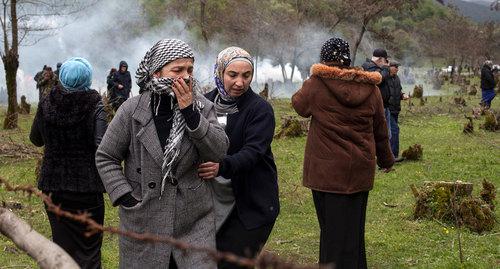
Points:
394	134
388	120
487	97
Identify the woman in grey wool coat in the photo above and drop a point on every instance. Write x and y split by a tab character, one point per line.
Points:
162	136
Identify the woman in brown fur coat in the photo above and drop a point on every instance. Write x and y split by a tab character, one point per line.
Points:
347	138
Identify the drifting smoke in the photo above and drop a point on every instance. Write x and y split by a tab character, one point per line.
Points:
111	31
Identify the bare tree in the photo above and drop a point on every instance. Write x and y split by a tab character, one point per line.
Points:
368	11
27	22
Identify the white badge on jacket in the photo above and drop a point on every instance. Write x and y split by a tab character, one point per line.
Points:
222	119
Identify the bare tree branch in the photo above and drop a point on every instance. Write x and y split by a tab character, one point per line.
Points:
47	253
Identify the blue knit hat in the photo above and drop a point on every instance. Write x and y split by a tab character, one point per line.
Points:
76	74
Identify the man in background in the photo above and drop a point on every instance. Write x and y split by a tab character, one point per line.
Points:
380	63
487	84
394	104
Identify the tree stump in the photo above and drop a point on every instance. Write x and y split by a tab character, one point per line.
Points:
453	202
413	153
418	91
491	121
469	126
24	107
472	90
292	126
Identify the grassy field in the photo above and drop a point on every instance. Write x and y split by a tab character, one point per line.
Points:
393	238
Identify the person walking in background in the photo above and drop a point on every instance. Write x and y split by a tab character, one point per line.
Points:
122	83
149	156
245	182
395	96
47	82
348	130
380	63
70	122
37	78
487	84
111	91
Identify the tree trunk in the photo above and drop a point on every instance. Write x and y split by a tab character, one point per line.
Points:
283	70
11	63
45	252
204	34
357	43
460	66
453	70
293	71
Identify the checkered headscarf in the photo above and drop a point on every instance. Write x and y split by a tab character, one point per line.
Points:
162	53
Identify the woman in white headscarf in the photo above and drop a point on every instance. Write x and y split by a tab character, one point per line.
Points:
245	181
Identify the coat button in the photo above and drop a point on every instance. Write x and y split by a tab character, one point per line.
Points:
138	170
174	181
271	208
152	185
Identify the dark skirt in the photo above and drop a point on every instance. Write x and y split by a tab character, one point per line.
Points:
235	238
69	235
342	228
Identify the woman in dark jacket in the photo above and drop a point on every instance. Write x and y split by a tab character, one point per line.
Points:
247	175
348	130
70	123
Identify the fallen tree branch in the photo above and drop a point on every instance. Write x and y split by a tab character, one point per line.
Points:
265	260
45	252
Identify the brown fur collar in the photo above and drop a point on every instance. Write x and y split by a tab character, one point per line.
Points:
347	74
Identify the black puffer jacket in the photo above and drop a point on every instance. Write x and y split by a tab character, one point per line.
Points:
487	78
384	71
69	125
124	79
395	94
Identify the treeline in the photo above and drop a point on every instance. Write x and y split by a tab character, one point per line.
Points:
415	32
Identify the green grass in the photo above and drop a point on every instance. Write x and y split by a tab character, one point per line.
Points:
393	238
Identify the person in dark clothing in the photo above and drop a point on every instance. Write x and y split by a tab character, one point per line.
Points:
70	122
47	82
395	96
111	87
245	182
58	67
487	84
380	63
38	78
122	84
38	75
347	137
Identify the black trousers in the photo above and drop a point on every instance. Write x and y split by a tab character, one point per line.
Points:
69	235
342	228
235	238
